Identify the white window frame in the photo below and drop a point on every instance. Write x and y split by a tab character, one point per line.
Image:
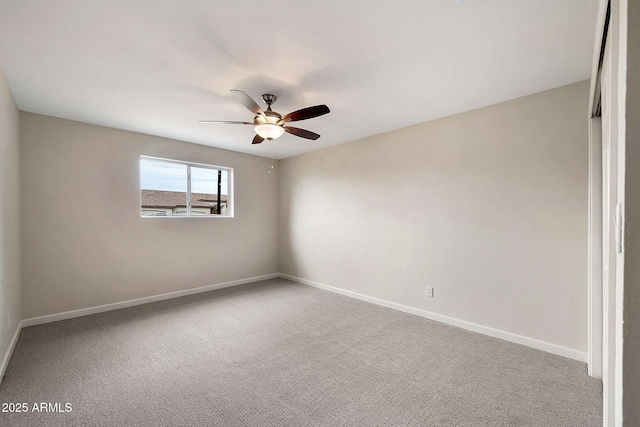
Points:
230	184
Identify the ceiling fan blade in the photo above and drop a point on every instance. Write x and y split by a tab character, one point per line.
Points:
257	140
302	133
247	101
226	122
307	113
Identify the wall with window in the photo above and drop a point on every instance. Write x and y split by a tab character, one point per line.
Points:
10	288
84	241
489	207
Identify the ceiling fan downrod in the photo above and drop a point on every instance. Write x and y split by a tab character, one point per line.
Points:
269	99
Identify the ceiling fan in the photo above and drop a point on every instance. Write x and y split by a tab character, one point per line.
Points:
271	125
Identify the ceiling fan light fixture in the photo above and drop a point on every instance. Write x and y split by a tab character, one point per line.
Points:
269	131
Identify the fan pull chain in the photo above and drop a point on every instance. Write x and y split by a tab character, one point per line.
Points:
271	155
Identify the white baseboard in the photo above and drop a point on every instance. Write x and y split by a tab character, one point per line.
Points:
138	301
9	352
496	333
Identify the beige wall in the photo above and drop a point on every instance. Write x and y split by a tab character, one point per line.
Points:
489	207
10	286
631	353
84	243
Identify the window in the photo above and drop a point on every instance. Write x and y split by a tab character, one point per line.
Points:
180	189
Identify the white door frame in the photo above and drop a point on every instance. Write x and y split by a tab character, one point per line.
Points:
606	296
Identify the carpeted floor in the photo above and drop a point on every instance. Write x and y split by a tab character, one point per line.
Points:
276	353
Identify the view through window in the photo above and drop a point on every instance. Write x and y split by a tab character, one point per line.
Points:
175	188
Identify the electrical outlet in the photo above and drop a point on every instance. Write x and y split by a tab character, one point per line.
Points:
429	291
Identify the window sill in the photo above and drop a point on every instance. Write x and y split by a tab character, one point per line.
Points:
186	217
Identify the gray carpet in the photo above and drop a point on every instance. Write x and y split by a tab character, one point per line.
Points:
276	353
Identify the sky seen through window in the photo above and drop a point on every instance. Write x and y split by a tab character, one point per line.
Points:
167	176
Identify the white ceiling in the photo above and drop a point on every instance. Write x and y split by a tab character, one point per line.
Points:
159	66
